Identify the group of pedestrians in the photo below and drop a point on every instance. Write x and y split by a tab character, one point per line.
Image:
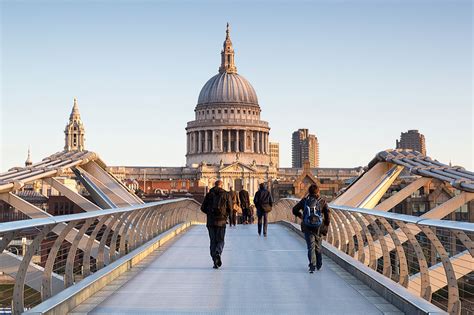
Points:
221	207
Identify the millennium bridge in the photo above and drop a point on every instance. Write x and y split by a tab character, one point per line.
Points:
121	255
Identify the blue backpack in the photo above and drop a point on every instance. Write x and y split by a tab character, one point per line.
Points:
312	216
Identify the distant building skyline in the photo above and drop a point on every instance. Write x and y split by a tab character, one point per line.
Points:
412	139
137	69
275	153
304	147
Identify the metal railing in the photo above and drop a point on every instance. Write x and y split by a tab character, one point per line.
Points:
431	258
63	250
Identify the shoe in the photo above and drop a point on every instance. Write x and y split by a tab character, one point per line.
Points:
318	268
311	269
264	235
215	266
259	234
218	261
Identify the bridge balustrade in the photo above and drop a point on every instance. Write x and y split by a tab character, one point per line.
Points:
432	259
60	251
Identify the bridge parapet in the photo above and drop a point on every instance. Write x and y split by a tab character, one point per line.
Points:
432	259
69	249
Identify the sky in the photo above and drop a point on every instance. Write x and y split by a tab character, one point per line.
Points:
355	73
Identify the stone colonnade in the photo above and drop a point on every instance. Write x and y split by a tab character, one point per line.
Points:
227	140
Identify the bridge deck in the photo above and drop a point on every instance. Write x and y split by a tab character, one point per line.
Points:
259	275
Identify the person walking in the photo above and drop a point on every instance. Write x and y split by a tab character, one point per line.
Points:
263	202
217	205
235	206
313	211
245	205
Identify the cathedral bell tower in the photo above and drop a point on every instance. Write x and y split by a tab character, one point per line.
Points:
227	55
74	131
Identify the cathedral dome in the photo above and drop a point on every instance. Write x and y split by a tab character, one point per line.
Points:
228	88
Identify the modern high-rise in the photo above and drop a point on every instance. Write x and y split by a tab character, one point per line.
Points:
305	147
413	140
275	154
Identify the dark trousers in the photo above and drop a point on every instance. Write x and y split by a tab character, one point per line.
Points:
233	218
262	216
313	243
216	236
245	215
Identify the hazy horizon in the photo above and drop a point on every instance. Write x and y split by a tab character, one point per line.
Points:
355	73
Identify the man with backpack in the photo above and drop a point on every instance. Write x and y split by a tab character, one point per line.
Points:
314	214
263	202
217	205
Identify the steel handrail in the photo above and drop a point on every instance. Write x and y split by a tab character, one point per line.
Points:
448	224
32	223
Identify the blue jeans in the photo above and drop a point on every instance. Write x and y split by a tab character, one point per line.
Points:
313	243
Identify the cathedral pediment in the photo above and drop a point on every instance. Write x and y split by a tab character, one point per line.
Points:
237	167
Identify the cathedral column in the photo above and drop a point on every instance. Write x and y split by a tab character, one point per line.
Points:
206	141
258	142
245	140
237	149
229	140
251	142
214	142
268	143
265	143
199	148
187	143
221	133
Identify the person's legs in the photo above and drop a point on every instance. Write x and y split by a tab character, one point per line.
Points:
234	218
259	216
212	239
220	239
311	246
220	236
265	223
319	255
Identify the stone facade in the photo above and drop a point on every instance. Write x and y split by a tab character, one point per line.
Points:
74	131
275	154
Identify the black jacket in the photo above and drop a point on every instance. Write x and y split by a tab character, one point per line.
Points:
299	208
206	207
244	199
262	198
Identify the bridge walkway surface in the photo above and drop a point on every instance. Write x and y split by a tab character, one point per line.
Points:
259	276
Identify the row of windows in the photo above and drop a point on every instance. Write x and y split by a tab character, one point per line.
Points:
202	113
213	111
183	184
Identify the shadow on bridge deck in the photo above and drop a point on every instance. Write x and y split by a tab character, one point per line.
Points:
259	275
